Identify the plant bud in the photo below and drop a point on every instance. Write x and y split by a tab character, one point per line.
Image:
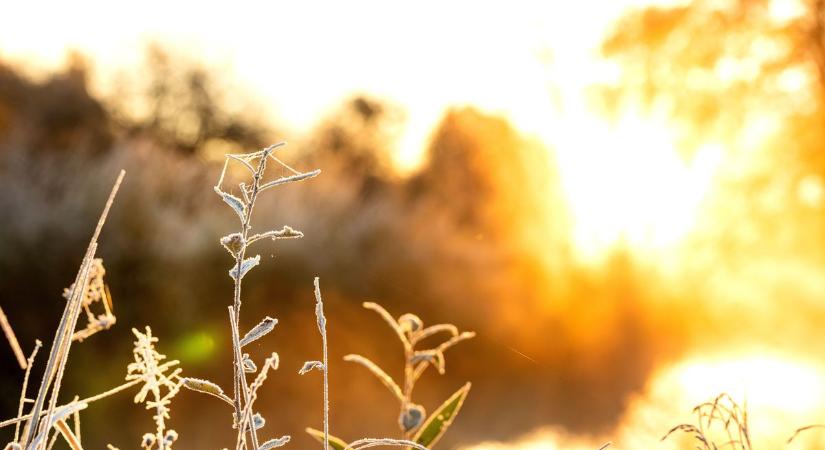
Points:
232	243
410	323
411	417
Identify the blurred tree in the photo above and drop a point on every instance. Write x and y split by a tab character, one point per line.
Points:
355	144
57	114
749	77
179	102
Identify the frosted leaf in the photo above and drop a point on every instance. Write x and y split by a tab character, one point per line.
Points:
286	232
259	330
258	421
289	179
274	443
246	265
311	365
205	386
234	202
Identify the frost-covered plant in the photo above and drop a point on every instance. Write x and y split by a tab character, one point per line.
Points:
150	369
44	422
45	415
246	420
323	365
96	293
413	421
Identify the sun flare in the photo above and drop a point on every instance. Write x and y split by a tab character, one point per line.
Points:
626	183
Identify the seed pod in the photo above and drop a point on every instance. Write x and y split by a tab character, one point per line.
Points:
410	323
411	417
148	441
170	437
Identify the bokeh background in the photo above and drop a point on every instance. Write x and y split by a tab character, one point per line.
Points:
624	199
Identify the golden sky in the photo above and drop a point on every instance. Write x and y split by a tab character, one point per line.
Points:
527	60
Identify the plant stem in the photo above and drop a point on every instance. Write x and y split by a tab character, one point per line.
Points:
322	328
91	399
240	374
15	346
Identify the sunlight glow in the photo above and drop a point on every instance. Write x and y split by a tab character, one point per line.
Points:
781	394
626	183
771	382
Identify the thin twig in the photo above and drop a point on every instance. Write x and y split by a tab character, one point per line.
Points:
322	328
15	346
24	388
68	434
91	399
802	429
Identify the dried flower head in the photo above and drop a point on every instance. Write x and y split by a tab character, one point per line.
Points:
96	296
157	381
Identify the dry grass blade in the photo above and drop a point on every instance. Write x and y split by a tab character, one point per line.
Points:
732	421
62	341
87	400
15	346
47	423
68	435
803	429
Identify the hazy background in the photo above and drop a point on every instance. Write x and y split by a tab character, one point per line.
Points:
624	201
